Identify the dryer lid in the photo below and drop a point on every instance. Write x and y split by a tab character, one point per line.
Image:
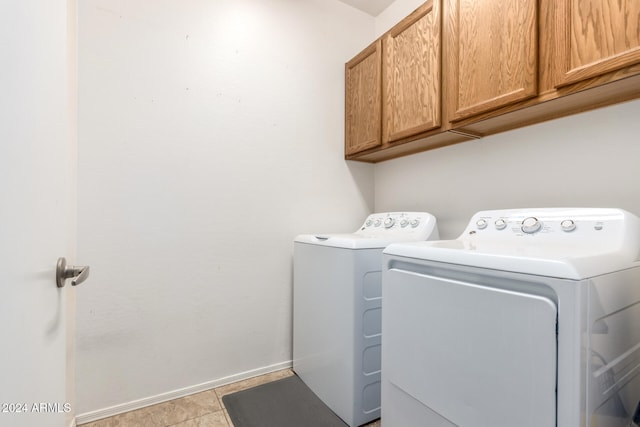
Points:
571	243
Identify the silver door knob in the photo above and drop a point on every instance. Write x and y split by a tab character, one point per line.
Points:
63	272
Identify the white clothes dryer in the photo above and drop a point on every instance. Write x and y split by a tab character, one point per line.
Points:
337	287
530	318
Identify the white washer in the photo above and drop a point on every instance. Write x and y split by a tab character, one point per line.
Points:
530	318
337	308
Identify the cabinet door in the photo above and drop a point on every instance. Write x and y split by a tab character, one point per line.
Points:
492	54
595	37
363	84
412	74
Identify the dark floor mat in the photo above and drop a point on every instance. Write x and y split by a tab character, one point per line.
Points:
284	403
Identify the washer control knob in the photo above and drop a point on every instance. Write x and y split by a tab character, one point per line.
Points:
481	224
368	223
377	222
404	222
568	225
415	222
500	224
388	222
531	225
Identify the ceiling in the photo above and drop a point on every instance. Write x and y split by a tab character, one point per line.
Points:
372	7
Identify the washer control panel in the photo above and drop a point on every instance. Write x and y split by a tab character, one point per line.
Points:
400	225
547	223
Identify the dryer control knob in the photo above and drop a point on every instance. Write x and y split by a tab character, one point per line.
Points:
404	222
415	223
388	222
531	225
568	225
481	224
377	223
500	224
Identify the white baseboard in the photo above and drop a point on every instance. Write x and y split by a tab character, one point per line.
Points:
175	394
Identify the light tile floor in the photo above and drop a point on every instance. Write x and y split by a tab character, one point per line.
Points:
204	409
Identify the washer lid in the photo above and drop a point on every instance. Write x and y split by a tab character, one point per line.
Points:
571	243
347	241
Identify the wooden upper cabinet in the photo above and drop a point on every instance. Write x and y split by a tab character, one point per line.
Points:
363	98
411	75
492	54
455	70
595	37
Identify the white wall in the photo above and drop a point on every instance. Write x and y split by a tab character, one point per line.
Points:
211	133
393	14
590	160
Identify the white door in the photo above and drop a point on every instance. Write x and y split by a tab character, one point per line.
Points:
37	212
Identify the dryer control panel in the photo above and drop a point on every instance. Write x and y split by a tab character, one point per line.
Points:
550	226
567	243
400	226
